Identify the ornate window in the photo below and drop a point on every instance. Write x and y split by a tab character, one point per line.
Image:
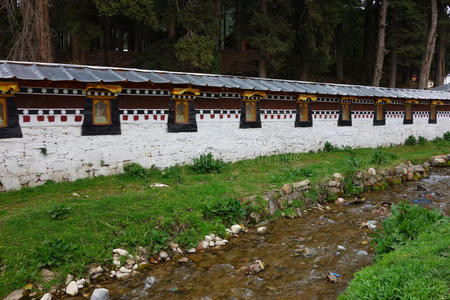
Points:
101	111
182	110
250	117
345	116
304	114
380	112
3	113
409	113
433	111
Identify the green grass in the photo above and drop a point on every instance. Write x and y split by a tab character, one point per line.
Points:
46	225
417	267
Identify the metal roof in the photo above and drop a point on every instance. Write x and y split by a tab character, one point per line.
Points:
89	74
444	88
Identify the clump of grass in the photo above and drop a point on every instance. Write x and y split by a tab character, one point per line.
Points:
54	253
206	163
422	141
410	141
447	136
175	173
380	157
328	147
58	212
227	210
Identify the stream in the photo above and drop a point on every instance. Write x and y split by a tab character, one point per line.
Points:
334	240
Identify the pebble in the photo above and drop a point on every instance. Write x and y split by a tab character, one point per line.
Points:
211	244
221	243
46	296
122	275
208	238
339	201
69	278
342	248
184	260
72	288
125	270
163	255
121	252
95	270
16	295
75	195
47	275
81	283
261	230
192	250
205	244
159	185
235	229
100	294
362	252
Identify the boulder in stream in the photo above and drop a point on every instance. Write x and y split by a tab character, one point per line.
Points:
100	294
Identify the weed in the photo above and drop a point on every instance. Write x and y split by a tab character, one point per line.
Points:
229	210
58	212
447	136
53	253
380	156
410	141
207	164
328	147
422	141
174	173
43	151
135	170
405	224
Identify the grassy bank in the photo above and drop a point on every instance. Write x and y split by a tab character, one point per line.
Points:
47	226
414	265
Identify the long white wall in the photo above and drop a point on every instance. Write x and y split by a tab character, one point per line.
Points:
70	156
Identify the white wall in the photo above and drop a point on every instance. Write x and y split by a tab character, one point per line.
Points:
70	156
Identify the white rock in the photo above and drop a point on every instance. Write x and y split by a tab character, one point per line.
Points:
75	195
72	288
95	270
117	263
338	176
205	244
262	230
220	243
15	295
362	252
342	248
163	255
228	231
69	278
301	184
213	236
82	281
113	273
192	250
47	296
372	171
235	229
218	238
121	252
100	294
225	241
122	274
208	238
179	250
135	267
184	260
158	185
212	244
124	270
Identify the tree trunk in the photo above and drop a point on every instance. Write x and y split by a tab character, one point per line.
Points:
339	54
218	19
427	57
393	75
172	26
378	69
369	37
262	52
440	51
43	31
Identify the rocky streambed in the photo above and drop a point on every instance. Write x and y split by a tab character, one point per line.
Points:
313	257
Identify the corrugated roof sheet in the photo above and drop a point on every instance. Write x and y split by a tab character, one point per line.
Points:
90	74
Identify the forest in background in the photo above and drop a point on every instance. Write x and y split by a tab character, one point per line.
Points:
395	43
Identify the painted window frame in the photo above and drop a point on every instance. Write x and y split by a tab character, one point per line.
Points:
187	96
254	97
186	112
109	117
3	103
304	110
346	103
409	111
380	104
253	105
432	119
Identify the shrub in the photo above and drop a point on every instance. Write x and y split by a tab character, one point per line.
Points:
328	147
406	223
410	141
380	157
207	164
422	141
229	210
174	173
156	239
58	212
54	253
447	136
440	142
135	170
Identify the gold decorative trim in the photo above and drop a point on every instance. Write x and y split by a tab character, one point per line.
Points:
383	101
7	87
107	87
250	94
306	98
437	102
182	91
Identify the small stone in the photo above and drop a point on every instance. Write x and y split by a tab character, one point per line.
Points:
218	238
82	282
228	231
184	260
46	296
163	255
121	252
95	270
287	188
364	243
72	288
179	250
339	201
124	270
117	263
338	176
120	275
135	267
75	195
47	275
213	236
438	161
100	294
208	238
192	250
221	243
301	184
212	244
205	244
342	248
235	229
372	171
333	183
261	230
69	278
173	245
362	252
16	295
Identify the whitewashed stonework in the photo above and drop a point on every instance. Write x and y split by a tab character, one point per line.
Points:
57	151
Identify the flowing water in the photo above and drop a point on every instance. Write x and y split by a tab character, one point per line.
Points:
335	241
